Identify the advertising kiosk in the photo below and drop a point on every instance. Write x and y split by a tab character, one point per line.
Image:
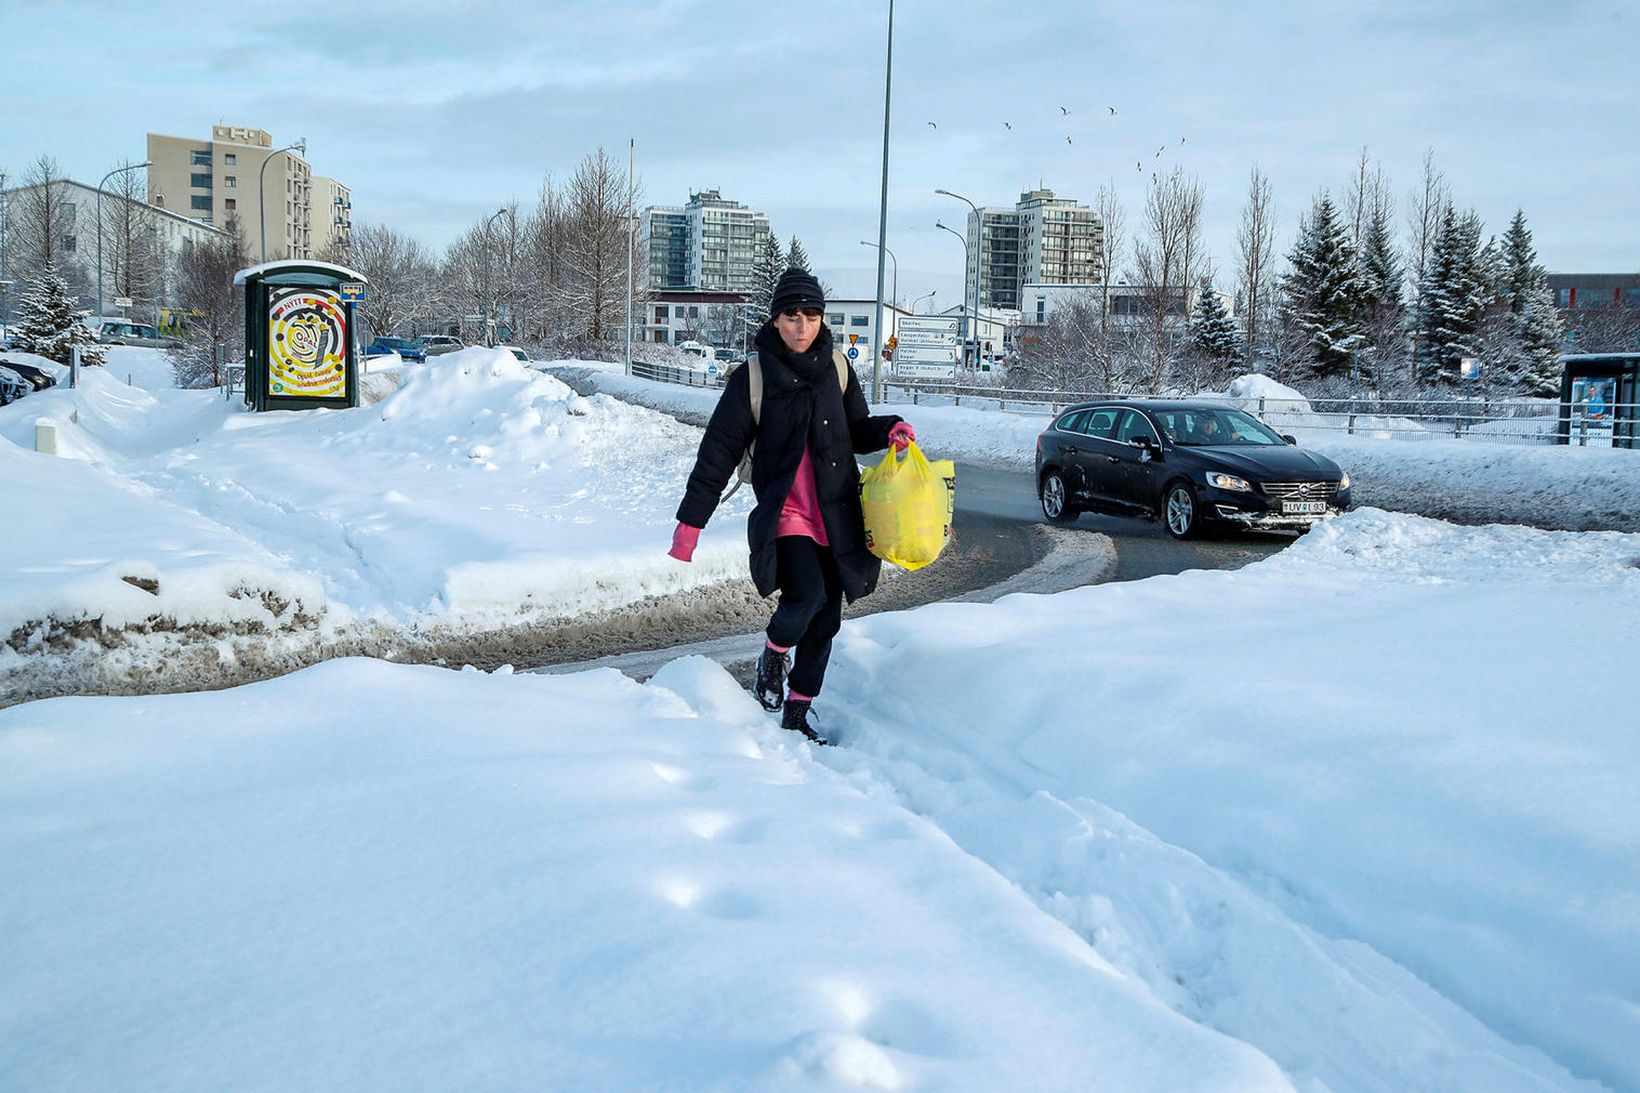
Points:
299	346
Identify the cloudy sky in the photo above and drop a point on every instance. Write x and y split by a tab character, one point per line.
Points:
436	113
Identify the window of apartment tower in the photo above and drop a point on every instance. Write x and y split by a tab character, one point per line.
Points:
230	181
229	203
202	159
230	159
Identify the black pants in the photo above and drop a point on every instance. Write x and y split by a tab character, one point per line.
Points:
810	611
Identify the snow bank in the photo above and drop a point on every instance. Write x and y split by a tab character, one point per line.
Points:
478	494
375	876
1396	739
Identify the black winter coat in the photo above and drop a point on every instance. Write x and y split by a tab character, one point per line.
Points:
833	424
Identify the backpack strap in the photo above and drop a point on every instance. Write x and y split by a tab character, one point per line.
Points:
841	362
754	386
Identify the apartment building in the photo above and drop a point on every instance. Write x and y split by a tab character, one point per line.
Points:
1042	239
710	244
223	178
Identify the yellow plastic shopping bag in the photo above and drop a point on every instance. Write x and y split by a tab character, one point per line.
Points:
908	505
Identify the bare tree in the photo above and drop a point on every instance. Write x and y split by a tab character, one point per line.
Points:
1255	241
1158	258
1426	208
42	224
597	244
1109	210
401	276
214	306
133	258
1191	254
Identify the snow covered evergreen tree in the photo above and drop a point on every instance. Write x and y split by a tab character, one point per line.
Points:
1213	332
50	324
767	267
797	257
1454	297
1524	286
1322	291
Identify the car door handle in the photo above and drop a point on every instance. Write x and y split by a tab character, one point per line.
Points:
1113	459
1072	449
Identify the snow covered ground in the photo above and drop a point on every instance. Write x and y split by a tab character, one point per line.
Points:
1578	489
1357	817
1360	816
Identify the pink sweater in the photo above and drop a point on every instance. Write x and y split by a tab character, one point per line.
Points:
800	513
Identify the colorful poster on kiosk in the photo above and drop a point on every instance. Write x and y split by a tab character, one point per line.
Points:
307	344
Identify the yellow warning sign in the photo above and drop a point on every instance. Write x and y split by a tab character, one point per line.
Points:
853	338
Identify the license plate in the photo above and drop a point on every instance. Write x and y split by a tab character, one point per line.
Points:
1303	508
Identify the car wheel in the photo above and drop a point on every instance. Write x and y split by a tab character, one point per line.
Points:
1056	505
1181	512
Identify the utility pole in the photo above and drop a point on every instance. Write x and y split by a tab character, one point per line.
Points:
489	339
631	239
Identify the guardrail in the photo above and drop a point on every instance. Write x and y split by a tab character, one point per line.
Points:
671	373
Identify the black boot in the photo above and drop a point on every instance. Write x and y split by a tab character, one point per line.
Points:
795	717
771	679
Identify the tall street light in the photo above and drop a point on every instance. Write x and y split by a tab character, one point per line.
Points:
925	296
979	231
894	295
261	203
100	185
882	219
489	338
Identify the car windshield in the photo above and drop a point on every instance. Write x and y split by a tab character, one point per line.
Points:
1215	427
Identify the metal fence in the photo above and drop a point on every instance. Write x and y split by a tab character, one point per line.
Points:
671	373
1502	421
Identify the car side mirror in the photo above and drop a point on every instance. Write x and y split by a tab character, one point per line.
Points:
1289	438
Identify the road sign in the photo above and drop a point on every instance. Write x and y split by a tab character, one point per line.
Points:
926	330
853	353
853	338
123	301
924	371
351	292
926	354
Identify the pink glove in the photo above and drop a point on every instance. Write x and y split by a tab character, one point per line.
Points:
683	542
901	434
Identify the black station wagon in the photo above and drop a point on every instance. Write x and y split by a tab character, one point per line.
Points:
1187	464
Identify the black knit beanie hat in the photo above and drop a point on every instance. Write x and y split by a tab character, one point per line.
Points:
796	289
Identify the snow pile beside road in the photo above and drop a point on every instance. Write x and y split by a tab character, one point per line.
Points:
1396	739
375	876
478	494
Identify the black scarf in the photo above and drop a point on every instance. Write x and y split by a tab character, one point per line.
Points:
807	366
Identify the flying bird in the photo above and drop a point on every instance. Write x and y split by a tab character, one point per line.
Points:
1008	124
931	125
1062	110
1181	140
1138	166
1112	110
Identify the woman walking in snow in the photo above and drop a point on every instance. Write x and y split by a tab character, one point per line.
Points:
807	535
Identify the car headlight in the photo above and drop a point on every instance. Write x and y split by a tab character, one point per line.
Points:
1228	482
1344	483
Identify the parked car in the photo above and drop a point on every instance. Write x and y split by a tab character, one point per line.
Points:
113	330
1189	464
515	351
38	379
410	349
696	349
434	345
12	386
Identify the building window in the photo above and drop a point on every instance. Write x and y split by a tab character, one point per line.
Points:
70	244
835	320
200	201
202	159
660	313
230	181
230	159
159	201
859	320
230	204
199	181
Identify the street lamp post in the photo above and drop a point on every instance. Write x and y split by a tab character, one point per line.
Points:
261	203
894	294
925	296
964	239
882	216
489	338
100	185
979	231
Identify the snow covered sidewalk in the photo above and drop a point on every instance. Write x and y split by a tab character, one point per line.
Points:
371	876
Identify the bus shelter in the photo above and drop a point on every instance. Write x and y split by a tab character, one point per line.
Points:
1599	396
299	346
